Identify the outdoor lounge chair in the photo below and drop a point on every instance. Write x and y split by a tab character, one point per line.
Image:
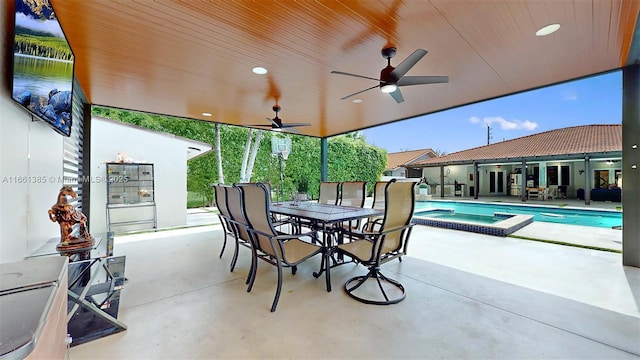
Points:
551	192
381	246
269	245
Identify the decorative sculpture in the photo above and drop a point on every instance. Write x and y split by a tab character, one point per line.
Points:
66	216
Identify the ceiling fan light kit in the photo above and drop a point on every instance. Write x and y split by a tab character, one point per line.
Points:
278	125
392	78
388	88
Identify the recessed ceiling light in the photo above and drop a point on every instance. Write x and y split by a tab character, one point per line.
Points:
259	70
547	30
207	114
356	101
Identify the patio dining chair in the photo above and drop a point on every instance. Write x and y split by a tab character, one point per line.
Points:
223	214
378	204
269	245
329	193
352	193
388	242
239	222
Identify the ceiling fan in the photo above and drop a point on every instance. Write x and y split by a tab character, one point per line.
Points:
278	125
392	78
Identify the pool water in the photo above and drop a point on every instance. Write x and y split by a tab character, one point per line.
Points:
572	216
451	215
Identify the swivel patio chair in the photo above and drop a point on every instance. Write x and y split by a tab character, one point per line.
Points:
379	247
268	245
223	214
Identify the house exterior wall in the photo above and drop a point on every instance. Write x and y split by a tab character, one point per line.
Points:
169	156
399	172
28	151
461	174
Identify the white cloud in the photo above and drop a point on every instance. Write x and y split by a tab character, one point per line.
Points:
505	124
49	26
570	95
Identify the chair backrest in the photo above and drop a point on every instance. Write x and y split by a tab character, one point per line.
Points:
221	199
255	201
266	184
234	204
399	206
221	202
329	193
379	195
353	193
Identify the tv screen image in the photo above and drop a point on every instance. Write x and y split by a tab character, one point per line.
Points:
42	65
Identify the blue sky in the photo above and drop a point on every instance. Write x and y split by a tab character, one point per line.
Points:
594	100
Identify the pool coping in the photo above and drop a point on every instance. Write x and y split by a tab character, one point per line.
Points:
511	223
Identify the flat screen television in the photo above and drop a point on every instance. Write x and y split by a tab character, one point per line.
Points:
42	65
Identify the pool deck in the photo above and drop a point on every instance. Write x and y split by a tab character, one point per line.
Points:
610	239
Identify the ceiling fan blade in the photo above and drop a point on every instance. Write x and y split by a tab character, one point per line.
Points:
397	96
359	92
354	75
290	129
290	125
273	122
420	80
408	63
260	125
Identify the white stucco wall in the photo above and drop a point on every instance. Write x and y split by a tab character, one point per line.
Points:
28	150
167	153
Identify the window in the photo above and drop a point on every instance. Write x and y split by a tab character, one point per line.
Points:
552	175
564	172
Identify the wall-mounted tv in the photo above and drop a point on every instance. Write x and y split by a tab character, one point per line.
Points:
42	65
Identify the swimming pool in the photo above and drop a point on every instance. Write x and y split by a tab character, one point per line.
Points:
572	216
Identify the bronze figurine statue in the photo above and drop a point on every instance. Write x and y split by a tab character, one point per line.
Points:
67	216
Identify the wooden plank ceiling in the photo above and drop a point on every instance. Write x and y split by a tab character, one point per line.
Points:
186	57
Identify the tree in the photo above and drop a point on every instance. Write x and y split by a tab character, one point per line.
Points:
218	152
439	152
254	153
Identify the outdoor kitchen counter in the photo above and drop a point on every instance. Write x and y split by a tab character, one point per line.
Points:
33	301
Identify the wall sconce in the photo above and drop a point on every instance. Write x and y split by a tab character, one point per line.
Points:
580	171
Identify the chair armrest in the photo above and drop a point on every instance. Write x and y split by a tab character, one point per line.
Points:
281	236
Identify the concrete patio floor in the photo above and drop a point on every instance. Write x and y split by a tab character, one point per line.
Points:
469	296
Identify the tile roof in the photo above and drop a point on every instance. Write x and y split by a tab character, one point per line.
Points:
578	140
397	159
